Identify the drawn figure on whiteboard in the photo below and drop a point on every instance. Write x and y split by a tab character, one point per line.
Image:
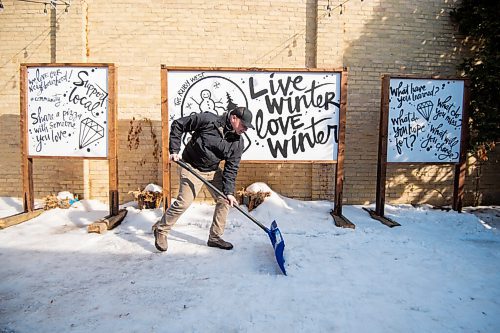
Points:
90	131
207	104
425	109
218	95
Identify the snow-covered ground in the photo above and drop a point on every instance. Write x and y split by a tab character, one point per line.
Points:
438	272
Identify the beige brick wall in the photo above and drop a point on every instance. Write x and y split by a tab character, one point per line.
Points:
370	38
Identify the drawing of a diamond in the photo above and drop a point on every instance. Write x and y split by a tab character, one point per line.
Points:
90	131
425	109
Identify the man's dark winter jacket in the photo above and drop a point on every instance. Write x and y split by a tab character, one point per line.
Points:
212	140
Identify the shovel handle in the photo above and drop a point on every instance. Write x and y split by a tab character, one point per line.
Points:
216	190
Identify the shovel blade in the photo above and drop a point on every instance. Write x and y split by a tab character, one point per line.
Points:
278	244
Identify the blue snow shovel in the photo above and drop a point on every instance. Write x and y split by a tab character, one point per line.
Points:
273	233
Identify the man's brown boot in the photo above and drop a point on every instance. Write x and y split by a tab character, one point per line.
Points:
161	242
220	243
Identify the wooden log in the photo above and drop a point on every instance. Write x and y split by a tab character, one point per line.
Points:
341	221
97	227
384	220
107	223
19	218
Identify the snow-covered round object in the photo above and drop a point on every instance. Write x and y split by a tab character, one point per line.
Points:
153	188
258	187
65	195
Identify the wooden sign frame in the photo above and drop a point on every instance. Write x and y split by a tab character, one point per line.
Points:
460	166
112	147
336	213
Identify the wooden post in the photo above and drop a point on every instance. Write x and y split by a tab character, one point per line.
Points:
28	197
461	167
26	163
165	132
336	213
378	214
114	201
339	169
382	147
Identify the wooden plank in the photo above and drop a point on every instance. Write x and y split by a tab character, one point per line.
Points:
26	162
290	161
112	142
403	164
426	77
384	220
69	157
97	227
461	167
341	221
165	133
250	69
108	222
66	64
19	218
339	169
382	147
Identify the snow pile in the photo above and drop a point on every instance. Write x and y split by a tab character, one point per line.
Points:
153	188
65	195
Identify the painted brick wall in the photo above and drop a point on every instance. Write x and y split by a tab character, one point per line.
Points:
370	38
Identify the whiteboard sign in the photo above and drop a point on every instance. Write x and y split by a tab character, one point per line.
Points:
425	120
295	114
67	111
